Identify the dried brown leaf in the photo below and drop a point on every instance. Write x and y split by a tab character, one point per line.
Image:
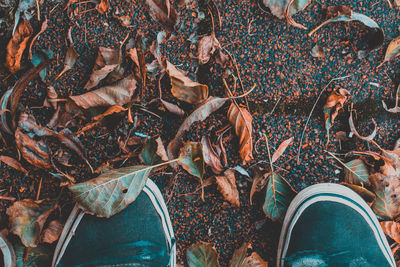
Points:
281	149
42	29
111	110
227	187
393	50
259	182
172	108
391	229
184	88
52	232
103	6
162	12
210	156
16	46
241	120
318	51
50	100
206	48
118	94
69	61
396	108
278	7
13	163
240	259
355	132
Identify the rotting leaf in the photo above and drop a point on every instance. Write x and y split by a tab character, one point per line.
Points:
278	197
211	105
227	187
396	108
52	232
281	149
210	156
69	61
183	87
367	195
153	152
27	218
207	47
191	159
202	254
118	94
375	36
318	51
13	163
333	104
392	51
355	132
16	46
107	60
391	229
240	258
355	172
163	12
241	120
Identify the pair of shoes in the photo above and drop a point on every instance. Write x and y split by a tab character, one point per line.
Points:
325	225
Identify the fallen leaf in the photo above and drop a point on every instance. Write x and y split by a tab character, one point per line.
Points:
318	51
124	20
355	172
355	132
16	46
375	36
202	254
118	94
333	104
42	29
210	156
392	51
386	205
50	100
69	61
281	149
27	218
103	6
184	88
240	259
396	108
227	187
278	197
278	7
391	229
209	106
162	12
13	163
107	60
367	195
52	232
26	8
191	159
172	108
206	48
153	152
259	182
241	120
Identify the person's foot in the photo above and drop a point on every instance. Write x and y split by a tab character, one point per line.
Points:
140	235
330	225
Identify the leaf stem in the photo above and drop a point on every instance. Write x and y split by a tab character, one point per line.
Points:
344	165
269	152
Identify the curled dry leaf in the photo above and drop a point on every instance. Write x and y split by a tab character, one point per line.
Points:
396	108
172	108
107	60
42	29
27	218
227	187
183	87
333	104
124	20
392	51
153	152
191	159
292	8
392	229
211	105
13	163
162	12
281	149
202	254
367	195
278	7
355	172
206	48
241	120
52	232
69	61
355	132
240	258
318	51
16	46
51	98
111	110
375	36
259	181
118	94
210	156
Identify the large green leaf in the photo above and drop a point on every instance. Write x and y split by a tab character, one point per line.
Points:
277	198
112	191
356	172
240	259
202	254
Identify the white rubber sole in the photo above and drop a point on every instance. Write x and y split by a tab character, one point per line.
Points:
329	192
156	198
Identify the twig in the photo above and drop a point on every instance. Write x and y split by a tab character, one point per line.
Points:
39	188
269	153
38	9
273	109
7	198
312	110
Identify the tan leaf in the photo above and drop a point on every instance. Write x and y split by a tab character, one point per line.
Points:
210	156
281	149
392	229
107	60
51	97
393	50
241	120
184	88
206	48
227	187
16	46
162	12
69	61
103	6
118	94
52	232
13	163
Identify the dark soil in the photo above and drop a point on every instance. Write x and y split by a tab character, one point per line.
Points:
269	53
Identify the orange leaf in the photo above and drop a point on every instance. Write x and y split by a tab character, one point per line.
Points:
227	187
392	229
17	45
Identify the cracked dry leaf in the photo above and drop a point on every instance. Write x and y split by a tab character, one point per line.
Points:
119	93
52	232
163	12
240	258
16	46
210	156
207	47
227	187
183	87
202	254
241	120
333	104
391	229
107	60
27	218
